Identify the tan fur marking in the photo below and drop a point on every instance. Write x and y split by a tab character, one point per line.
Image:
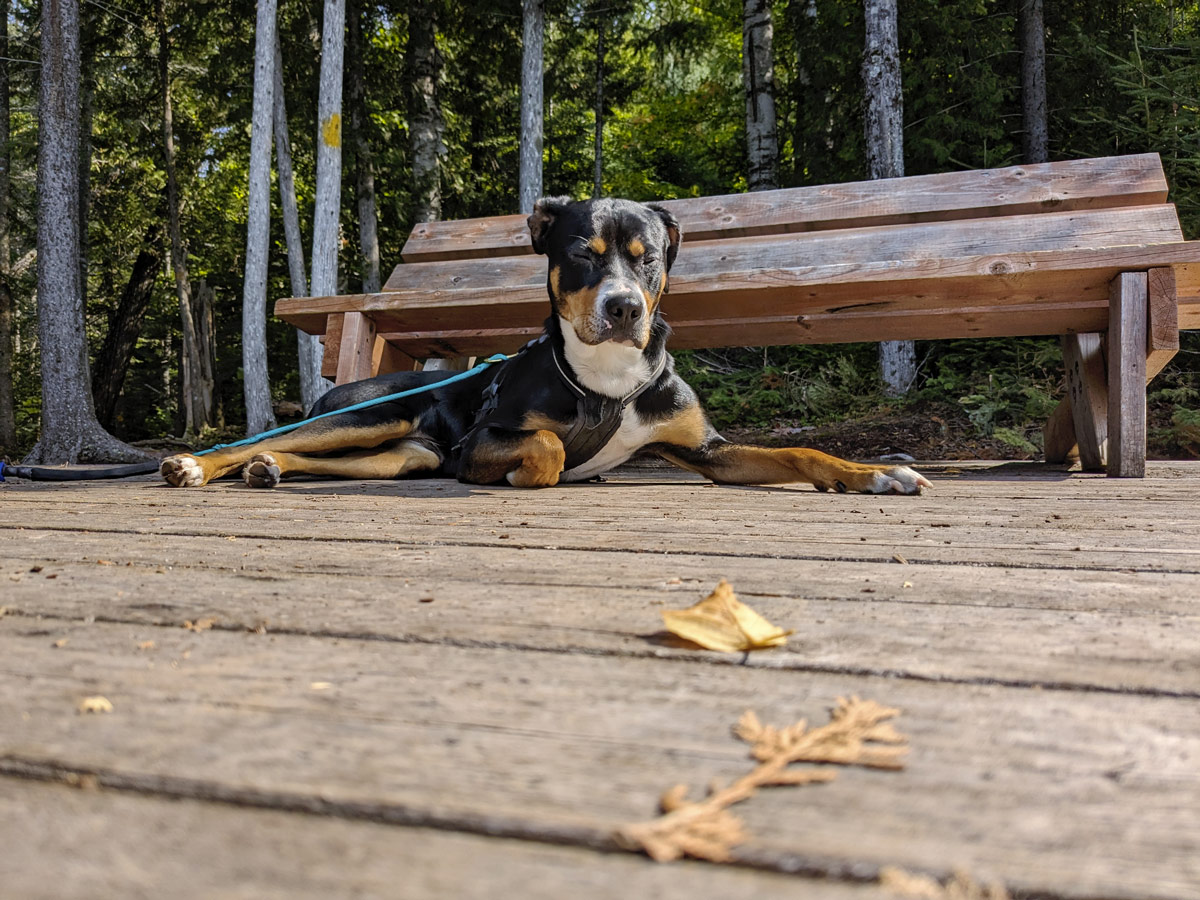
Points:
534	459
598	245
392	462
739	464
542	459
214	465
686	428
577	306
555	274
636	247
536	421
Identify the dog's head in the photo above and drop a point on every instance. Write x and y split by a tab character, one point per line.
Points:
608	264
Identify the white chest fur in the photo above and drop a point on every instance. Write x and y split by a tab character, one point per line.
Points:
631	436
613	370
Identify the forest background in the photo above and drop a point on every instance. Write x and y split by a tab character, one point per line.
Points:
665	82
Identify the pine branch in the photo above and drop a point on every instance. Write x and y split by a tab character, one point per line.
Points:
858	733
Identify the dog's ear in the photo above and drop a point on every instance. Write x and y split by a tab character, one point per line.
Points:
545	212
674	232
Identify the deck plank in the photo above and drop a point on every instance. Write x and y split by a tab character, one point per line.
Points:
1064	792
1039	635
106	844
1110	631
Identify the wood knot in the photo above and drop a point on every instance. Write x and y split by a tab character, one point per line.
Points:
1000	267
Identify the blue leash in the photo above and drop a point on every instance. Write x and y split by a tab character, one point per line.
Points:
41	473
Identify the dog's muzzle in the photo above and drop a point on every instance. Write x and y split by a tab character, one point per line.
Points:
622	310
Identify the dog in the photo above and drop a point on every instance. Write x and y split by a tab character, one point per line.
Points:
596	388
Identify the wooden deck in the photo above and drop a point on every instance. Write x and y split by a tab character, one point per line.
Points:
426	689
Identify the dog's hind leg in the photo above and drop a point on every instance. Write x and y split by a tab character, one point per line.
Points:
356	430
266	469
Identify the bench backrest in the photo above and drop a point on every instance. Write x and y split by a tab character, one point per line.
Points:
986	253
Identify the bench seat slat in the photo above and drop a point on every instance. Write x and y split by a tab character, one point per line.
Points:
1021	282
1135	180
1054	231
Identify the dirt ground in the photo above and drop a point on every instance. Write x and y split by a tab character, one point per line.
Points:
935	431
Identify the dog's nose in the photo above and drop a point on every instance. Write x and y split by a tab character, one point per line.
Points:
623	309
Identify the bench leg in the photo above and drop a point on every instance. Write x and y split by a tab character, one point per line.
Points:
357	352
333	345
1127	343
1162	336
1087	397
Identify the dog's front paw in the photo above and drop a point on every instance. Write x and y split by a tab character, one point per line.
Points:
896	480
183	470
262	472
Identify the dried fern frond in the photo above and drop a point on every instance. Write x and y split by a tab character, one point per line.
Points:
960	886
858	733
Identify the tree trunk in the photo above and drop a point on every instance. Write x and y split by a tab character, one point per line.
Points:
368	230
425	124
197	377
885	151
530	181
206	341
87	108
256	382
802	15
327	211
598	152
1036	143
8	422
309	351
124	325
758	76
70	432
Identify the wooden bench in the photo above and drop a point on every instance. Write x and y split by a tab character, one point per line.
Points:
1088	249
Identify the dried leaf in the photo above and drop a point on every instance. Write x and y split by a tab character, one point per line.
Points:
95	705
722	622
199	624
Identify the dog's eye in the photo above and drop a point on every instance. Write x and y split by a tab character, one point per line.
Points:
648	260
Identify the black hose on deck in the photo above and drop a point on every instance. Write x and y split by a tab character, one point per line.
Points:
49	473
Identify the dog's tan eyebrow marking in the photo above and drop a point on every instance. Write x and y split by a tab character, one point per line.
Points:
598	245
636	248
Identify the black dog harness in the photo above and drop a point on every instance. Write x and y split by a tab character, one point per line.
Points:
597	417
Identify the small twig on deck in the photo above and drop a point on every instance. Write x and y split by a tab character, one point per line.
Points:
706	829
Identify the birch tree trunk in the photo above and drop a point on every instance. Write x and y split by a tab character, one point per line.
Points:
70	432
885	151
1036	142
368	231
256	383
8	424
308	348
530	180
327	212
425	124
598	151
197	376
758	77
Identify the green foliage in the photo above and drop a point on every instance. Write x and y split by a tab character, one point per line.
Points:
1123	76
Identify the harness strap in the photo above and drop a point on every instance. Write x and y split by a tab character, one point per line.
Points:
597	417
